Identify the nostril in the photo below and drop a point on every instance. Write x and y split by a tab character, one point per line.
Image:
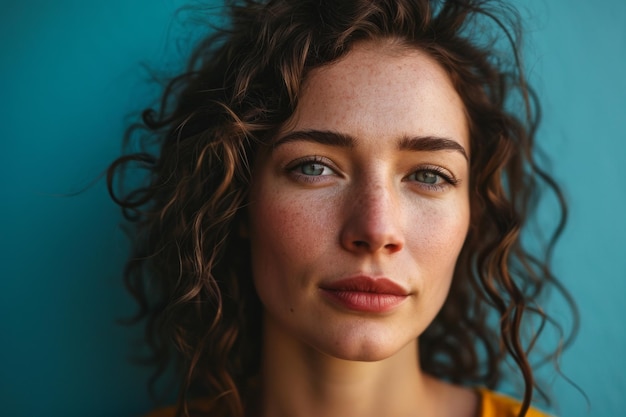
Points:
360	244
392	246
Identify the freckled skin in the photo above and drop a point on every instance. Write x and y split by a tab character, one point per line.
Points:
366	214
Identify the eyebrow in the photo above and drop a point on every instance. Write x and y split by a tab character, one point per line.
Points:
323	137
342	140
431	143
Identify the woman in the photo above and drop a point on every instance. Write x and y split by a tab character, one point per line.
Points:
332	221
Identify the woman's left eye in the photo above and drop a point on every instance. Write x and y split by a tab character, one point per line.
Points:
427	177
432	178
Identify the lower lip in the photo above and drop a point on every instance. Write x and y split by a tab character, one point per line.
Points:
369	302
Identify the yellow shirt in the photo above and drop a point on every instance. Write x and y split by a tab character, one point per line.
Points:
491	403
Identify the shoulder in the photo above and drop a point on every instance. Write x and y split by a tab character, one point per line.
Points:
493	404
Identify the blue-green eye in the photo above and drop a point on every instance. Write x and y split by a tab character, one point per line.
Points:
432	178
313	169
427	177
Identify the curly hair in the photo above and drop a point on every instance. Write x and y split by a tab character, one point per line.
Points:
190	268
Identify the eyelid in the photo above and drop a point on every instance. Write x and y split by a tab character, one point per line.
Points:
442	172
312	159
447	176
291	167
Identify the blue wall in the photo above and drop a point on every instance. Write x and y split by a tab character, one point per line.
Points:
578	65
70	73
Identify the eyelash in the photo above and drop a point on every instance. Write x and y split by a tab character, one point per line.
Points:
313	160
447	177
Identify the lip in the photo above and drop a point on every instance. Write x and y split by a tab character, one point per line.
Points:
365	294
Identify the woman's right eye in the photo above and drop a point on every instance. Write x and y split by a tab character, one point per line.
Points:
313	169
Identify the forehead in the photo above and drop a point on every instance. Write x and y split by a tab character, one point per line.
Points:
381	88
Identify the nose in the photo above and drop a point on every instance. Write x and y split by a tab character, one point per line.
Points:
372	222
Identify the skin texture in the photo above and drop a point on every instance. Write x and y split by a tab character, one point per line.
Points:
384	203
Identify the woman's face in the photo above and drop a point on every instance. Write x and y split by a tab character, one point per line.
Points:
360	208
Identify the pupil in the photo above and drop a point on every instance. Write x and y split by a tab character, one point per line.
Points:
428	177
312	169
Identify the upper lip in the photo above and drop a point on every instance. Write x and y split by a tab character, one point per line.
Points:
363	283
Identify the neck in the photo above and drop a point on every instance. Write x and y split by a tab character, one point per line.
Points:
299	381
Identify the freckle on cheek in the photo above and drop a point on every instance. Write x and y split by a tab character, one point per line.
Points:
291	309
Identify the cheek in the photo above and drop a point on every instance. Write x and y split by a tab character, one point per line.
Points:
442	227
436	252
285	227
436	241
287	236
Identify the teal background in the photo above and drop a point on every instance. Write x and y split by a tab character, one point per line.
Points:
70	74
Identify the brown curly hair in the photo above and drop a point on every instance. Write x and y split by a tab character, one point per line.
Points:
190	269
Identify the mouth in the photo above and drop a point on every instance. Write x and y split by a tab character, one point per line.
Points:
365	294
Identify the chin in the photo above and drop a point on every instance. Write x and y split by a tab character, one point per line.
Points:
367	348
365	355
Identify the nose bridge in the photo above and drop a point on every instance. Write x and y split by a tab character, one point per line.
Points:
373	220
373	200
